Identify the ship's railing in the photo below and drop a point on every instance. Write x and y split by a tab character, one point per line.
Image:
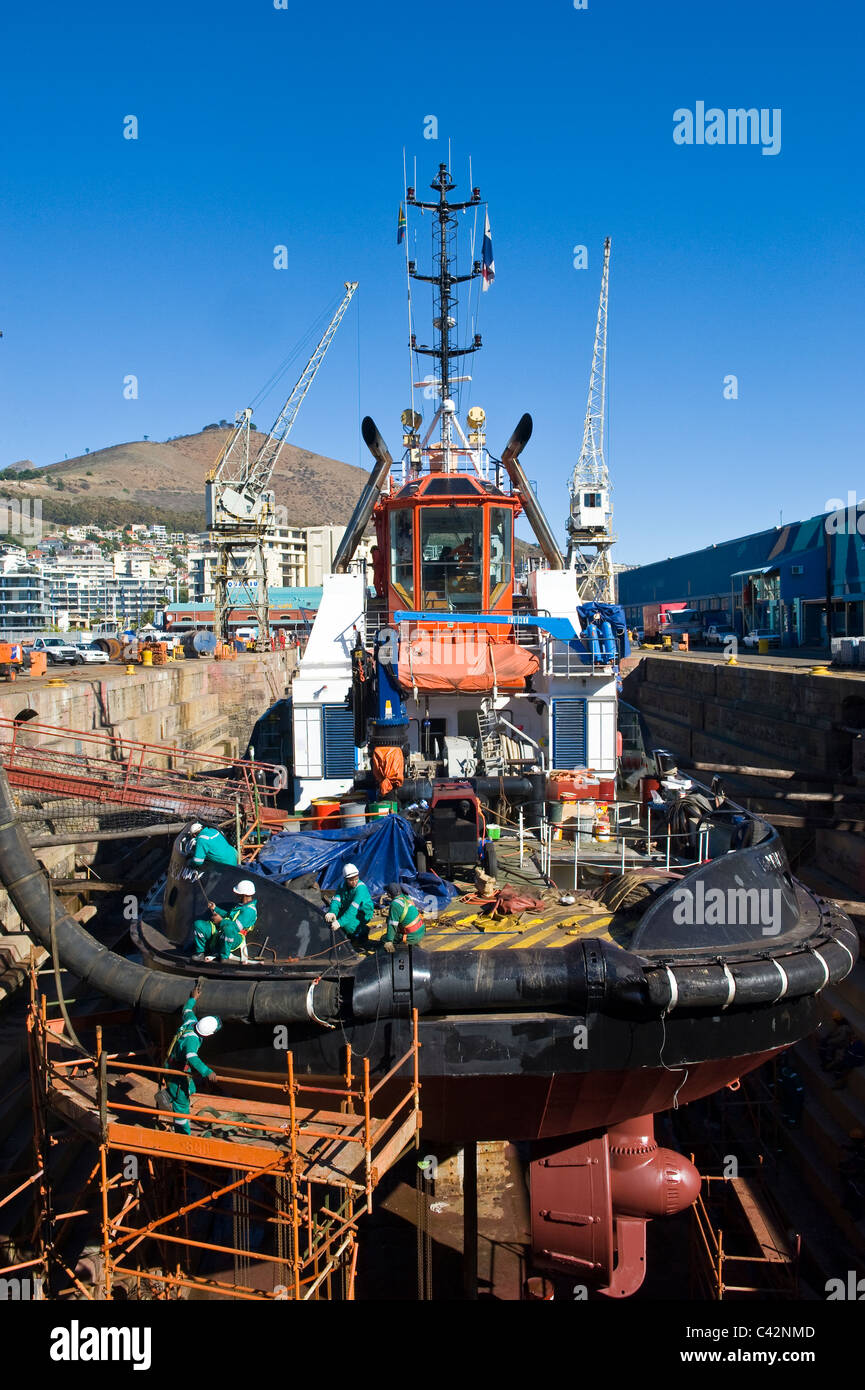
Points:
571	658
99	765
447	639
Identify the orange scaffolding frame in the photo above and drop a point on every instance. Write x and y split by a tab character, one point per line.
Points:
772	1262
299	1164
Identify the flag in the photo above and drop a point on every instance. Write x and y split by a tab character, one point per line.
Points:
400	225
488	265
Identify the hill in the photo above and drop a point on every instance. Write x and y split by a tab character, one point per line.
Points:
163	483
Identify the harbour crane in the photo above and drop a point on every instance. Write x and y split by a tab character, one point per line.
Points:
240	506
590	534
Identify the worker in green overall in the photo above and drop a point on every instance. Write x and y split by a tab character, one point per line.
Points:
351	908
211	844
183	1056
226	928
405	924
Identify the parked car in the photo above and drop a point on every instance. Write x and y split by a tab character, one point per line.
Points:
57	651
717	634
762	634
91	652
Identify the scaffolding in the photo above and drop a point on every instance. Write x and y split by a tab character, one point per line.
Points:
147	781
740	1245
736	1236
260	1201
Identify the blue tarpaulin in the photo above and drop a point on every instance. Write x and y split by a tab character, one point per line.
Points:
614	613
382	851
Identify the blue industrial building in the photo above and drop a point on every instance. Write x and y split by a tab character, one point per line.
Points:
804	581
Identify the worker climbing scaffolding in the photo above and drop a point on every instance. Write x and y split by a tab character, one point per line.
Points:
183	1056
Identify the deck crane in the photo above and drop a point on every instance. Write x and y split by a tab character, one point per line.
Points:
590	534
240	507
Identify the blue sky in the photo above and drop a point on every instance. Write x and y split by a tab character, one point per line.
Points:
260	127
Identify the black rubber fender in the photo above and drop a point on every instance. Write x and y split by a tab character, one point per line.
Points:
28	886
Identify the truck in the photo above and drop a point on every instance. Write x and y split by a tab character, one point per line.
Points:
657	618
56	650
684	622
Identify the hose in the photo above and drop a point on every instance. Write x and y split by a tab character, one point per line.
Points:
28	886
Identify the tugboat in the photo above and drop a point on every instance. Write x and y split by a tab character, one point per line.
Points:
658	947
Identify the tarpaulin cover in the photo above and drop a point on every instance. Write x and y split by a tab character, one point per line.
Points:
615	616
462	660
388	769
383	852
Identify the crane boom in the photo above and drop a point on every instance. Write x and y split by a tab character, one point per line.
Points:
239	505
590	535
237	485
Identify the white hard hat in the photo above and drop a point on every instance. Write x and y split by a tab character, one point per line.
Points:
195	827
351	871
245	886
208	1025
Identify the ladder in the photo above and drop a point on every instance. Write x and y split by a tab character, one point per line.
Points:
491	740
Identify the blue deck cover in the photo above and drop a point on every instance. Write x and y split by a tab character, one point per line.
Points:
383	852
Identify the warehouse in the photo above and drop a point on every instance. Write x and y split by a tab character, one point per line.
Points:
784	579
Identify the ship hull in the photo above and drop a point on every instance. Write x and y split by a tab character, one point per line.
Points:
520	1076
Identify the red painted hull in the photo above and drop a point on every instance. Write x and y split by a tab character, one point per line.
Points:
534	1107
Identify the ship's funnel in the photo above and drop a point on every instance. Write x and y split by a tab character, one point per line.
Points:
363	511
373	440
522	487
518	440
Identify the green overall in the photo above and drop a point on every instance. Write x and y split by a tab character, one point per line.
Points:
183	1056
212	844
234	928
353	909
404	922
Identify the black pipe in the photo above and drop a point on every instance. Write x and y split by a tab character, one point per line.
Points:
28	886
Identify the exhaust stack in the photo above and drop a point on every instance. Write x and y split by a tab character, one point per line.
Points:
363	511
521	485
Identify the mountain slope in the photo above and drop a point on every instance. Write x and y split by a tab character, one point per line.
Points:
137	480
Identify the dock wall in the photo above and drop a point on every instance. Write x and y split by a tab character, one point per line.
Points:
765	716
205	705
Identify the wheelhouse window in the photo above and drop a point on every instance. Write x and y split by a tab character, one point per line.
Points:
401	555
501	527
452	568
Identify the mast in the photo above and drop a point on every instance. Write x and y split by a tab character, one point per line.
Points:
445	297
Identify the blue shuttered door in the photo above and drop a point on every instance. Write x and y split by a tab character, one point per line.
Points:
569	733
337	737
